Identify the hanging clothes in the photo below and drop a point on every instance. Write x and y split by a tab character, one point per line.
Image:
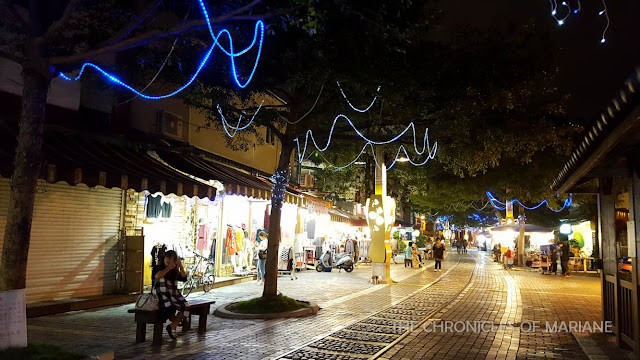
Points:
157	254
311	229
167	209
239	238
212	253
230	241
299	223
284	257
203	237
154	206
350	247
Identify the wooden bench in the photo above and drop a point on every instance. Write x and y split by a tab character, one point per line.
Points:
143	317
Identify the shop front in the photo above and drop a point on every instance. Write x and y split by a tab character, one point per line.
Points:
81	213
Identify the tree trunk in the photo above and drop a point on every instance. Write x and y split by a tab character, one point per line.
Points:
26	169
277	198
521	259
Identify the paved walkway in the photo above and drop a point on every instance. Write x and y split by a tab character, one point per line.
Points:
517	297
343	297
359	320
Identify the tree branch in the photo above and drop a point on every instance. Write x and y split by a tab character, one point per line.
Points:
132	25
146	37
66	14
20	20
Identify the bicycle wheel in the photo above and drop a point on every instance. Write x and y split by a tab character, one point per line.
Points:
188	287
207	282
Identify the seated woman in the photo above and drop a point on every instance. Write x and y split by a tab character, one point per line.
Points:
167	275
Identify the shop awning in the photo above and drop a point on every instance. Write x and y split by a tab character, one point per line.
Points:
96	160
338	215
236	181
359	222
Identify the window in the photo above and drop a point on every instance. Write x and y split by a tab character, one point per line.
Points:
270	137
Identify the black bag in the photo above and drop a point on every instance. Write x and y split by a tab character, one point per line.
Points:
262	254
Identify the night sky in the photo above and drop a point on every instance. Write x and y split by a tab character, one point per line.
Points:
591	72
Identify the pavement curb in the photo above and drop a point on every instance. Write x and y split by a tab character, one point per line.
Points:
222	312
589	346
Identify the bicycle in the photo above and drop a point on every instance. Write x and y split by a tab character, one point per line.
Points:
197	278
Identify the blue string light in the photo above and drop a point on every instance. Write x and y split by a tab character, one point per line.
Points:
351	105
258	31
496	203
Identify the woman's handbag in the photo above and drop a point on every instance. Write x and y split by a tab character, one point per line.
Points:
147	302
262	254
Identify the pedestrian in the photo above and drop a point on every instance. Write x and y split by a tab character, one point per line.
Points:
438	254
508	259
407	254
553	258
394	249
166	275
465	243
496	253
565	254
415	259
262	257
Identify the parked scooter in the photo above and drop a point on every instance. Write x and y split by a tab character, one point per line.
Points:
343	261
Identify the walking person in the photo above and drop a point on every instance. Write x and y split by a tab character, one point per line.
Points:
553	258
465	243
262	257
394	249
508	256
438	254
496	253
565	254
166	275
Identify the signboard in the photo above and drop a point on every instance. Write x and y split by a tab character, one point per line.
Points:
13	319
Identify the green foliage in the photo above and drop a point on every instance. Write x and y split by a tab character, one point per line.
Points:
402	247
421	241
39	352
265	305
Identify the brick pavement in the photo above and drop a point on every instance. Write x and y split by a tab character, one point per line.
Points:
357	319
343	297
517	297
372	334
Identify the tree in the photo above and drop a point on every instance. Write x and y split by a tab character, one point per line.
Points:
346	41
47	37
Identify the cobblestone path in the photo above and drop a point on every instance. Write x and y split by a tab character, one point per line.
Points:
343	297
517	297
369	336
361	321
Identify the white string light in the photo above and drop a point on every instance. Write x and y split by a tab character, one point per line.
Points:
605	12
351	105
225	123
561	20
425	145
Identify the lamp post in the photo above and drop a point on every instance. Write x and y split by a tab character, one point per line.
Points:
381	217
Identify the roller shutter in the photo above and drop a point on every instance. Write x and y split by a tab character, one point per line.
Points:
73	240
